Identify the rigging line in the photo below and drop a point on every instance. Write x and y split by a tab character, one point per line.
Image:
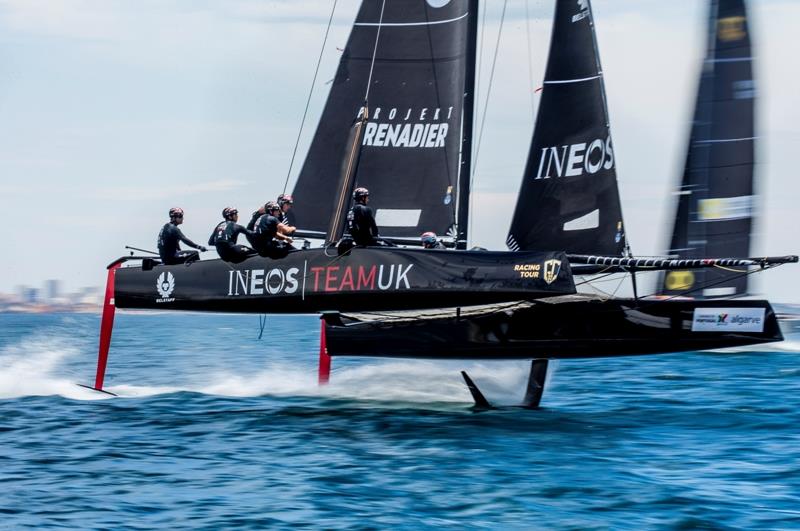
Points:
310	92
530	58
485	108
374	53
480	54
439	103
704	286
730	269
489	90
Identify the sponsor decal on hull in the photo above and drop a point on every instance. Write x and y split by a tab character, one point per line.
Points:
551	270
165	285
728	320
321	279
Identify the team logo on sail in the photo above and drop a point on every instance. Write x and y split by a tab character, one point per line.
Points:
551	269
576	159
165	285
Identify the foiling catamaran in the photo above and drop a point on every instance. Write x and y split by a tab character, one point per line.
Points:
399	120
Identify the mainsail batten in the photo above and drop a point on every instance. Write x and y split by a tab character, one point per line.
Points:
716	198
569	197
409	152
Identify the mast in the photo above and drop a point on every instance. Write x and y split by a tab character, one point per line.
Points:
465	173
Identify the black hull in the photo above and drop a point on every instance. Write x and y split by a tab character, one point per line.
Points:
558	328
365	279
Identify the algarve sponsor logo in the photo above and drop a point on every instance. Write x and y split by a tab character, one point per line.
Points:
165	285
728	319
583	7
422	127
576	159
551	269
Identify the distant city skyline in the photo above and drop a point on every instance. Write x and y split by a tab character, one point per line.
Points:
114	111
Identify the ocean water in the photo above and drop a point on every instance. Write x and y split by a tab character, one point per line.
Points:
217	429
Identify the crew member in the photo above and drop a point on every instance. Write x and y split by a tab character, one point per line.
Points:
271	237
431	241
169	239
225	235
285	201
361	221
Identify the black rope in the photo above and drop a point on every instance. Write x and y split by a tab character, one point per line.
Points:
308	101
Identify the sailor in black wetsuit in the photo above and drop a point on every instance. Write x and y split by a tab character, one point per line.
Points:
271	238
361	221
285	201
225	235
431	241
169	239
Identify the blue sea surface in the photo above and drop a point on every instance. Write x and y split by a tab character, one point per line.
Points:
217	429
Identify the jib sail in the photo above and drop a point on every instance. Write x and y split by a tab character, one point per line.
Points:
569	198
420	93
715	199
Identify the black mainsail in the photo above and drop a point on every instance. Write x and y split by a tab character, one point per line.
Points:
714	214
419	117
569	198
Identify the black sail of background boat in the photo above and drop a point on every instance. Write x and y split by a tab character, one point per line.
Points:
398	120
715	199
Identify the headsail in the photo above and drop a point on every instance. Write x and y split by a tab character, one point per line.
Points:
569	198
410	157
715	199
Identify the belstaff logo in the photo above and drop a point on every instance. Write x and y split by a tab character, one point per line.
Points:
551	270
165	285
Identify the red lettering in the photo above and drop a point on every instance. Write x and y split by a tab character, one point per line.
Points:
316	271
330	278
347	278
364	279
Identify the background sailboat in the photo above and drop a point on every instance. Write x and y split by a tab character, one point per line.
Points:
715	199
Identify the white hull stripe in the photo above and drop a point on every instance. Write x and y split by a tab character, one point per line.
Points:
579	80
465	15
724	140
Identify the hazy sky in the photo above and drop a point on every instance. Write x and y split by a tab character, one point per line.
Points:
112	111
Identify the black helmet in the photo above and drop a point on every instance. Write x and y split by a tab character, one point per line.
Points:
229	212
271	206
175	212
360	193
284	199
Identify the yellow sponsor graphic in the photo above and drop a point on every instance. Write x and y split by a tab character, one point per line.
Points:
679	280
731	29
551	269
528	270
